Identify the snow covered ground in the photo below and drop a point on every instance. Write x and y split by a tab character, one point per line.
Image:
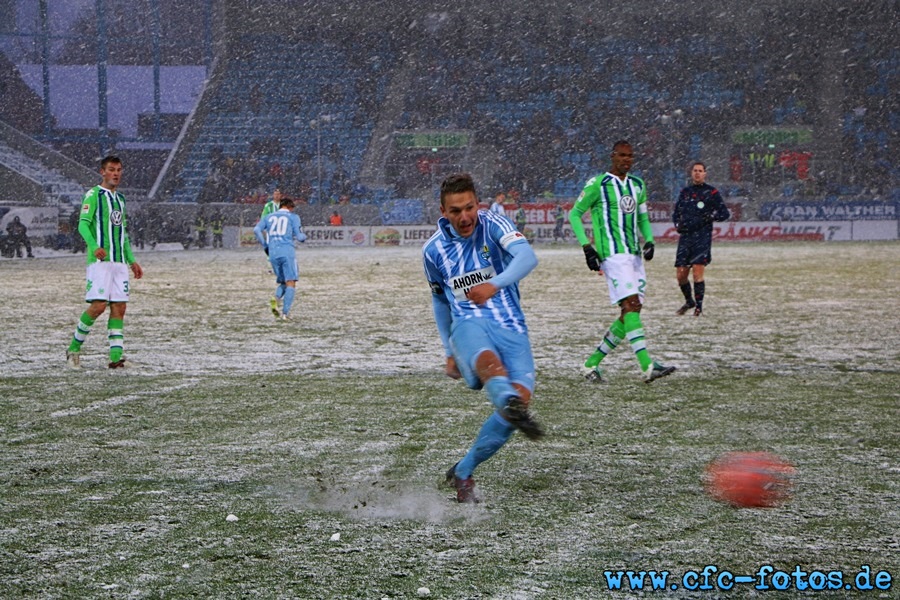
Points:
117	483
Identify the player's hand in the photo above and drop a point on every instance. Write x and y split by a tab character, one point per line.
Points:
266	250
451	369
100	254
137	270
648	251
481	293
591	257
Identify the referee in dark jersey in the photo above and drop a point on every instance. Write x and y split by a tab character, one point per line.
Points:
698	205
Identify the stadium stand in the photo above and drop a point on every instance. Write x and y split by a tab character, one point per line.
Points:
309	99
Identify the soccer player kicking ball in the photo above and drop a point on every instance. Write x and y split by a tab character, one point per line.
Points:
617	203
103	227
473	264
282	228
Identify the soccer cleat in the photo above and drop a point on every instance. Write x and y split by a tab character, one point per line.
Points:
593	374
518	415
698	311
685	307
465	488
656	370
119	364
73	359
273	304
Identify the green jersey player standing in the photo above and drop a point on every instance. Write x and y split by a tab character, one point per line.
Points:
103	227
617	203
272	205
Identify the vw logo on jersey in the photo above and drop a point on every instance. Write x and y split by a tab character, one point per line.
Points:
627	204
116	217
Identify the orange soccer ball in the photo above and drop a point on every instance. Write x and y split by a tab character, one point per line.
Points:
749	479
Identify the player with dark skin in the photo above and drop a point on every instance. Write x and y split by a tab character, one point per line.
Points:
622	161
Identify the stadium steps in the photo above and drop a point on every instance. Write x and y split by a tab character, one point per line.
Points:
57	189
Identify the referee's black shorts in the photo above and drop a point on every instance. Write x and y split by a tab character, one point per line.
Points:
694	249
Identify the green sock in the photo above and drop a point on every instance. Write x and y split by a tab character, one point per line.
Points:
611	339
81	332
116	339
634	330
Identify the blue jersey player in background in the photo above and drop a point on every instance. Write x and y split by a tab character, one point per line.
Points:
282	229
473	264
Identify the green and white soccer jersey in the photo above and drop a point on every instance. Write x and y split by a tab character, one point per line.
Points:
268	209
103	211
618	212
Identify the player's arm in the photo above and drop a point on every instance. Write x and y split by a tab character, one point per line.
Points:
298	232
258	231
644	224
523	262
721	209
88	208
443	318
583	204
643	220
676	214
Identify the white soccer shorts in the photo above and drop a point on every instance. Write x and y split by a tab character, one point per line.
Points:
625	276
107	281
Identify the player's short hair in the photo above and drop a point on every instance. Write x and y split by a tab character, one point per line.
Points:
698	162
286	203
457	184
111	158
619	144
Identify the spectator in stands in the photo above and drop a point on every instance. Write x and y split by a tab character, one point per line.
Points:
18	236
336	219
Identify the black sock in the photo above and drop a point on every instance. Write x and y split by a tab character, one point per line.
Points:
686	290
699	289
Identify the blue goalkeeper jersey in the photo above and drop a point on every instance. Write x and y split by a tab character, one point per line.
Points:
454	264
282	228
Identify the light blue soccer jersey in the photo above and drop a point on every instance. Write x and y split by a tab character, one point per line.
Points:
282	228
453	264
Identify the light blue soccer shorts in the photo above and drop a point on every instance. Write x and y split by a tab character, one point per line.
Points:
285	268
470	337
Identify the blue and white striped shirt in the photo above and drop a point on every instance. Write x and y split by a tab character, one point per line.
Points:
454	264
